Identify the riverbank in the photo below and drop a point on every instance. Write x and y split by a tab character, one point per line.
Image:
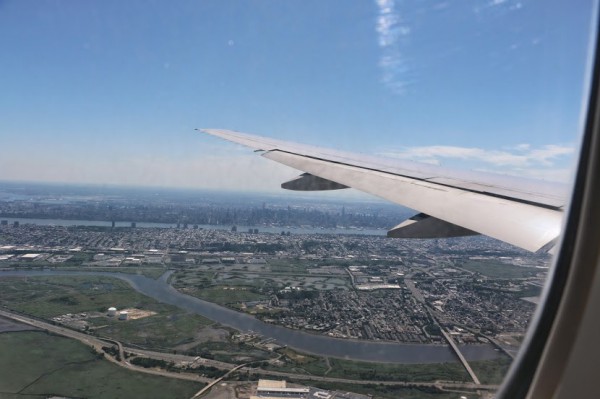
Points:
383	352
238	228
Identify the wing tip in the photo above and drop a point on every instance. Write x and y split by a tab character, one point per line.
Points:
216	132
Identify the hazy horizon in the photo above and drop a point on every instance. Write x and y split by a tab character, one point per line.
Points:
111	92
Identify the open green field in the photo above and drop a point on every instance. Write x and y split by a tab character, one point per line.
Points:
296	362
496	269
308	281
230	352
290	265
227	295
192	278
231	284
47	297
57	295
162	331
38	365
400	372
310	364
80	261
491	371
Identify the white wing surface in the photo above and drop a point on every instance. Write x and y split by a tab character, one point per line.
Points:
526	213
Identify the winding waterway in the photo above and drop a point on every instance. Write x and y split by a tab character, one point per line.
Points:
303	341
240	228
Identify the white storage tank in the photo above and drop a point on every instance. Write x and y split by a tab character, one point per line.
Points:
112	312
123	315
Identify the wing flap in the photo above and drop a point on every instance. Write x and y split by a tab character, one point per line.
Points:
308	182
425	226
524	225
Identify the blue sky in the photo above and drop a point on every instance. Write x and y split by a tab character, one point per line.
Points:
109	92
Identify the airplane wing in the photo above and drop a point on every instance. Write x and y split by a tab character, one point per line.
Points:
523	212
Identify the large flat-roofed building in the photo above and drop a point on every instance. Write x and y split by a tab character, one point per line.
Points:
271	384
274	389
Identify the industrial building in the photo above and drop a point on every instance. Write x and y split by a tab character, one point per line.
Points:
274	389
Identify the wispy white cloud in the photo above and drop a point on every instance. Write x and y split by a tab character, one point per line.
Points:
516	6
522	147
391	32
495	5
440	6
562	175
464	153
524	155
522	159
553	174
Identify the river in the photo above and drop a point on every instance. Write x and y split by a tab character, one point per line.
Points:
389	352
240	228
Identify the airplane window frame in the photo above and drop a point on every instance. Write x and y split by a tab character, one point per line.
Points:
542	362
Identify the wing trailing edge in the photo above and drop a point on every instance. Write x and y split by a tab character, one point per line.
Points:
308	182
425	226
521	212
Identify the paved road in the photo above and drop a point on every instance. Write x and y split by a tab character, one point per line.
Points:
172	357
419	297
460	356
209	386
438	384
98	343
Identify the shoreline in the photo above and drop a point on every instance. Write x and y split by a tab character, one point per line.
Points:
348	349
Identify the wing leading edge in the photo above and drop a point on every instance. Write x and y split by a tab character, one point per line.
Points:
522	212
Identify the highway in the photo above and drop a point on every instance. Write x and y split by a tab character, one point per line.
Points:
209	386
416	293
98	342
438	384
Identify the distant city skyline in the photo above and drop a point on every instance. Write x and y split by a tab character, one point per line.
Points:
110	92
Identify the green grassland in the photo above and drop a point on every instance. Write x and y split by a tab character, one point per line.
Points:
231	285
57	295
297	362
79	262
230	352
192	278
38	365
47	297
495	269
52	296
290	265
162	331
400	372
491	371
223	295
